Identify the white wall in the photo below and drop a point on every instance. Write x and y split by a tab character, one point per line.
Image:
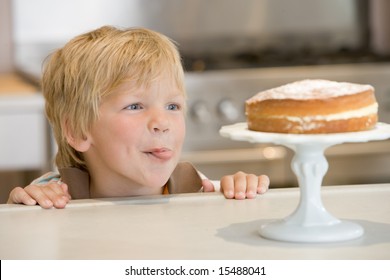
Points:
60	20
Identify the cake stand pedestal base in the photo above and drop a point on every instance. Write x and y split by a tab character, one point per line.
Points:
283	231
310	222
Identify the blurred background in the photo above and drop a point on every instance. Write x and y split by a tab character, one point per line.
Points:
231	50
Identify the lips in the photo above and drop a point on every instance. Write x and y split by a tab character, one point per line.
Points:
160	153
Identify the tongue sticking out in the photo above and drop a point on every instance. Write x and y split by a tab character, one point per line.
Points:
161	153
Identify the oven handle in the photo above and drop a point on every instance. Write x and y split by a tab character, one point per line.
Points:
268	153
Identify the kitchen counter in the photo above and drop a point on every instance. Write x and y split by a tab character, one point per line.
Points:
11	83
191	226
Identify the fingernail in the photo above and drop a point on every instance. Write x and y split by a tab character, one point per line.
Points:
229	194
263	190
48	203
240	195
31	201
250	194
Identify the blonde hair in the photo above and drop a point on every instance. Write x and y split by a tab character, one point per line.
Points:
89	67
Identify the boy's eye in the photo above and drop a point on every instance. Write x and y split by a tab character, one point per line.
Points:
173	107
135	106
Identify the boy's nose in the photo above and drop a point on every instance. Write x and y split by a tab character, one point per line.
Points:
159	123
158	129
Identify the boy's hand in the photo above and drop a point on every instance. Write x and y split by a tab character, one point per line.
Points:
242	185
48	195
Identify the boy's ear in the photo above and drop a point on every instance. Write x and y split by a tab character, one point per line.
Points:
80	144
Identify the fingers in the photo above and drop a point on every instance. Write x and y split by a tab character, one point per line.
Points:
47	196
263	184
58	194
234	186
41	195
53	194
242	185
19	195
227	186
65	190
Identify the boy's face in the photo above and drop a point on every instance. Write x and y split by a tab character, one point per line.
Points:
136	143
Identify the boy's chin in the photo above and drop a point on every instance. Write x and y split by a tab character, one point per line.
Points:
158	183
159	178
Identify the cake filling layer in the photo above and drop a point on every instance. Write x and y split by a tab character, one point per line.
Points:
362	112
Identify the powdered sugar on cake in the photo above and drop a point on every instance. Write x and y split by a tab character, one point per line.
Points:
310	89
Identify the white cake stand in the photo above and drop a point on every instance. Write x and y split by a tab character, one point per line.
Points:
310	222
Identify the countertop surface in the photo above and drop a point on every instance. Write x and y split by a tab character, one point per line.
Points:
191	226
11	83
18	95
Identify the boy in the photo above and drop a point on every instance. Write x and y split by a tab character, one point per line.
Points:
116	102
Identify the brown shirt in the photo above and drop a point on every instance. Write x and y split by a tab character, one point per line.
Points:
184	179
